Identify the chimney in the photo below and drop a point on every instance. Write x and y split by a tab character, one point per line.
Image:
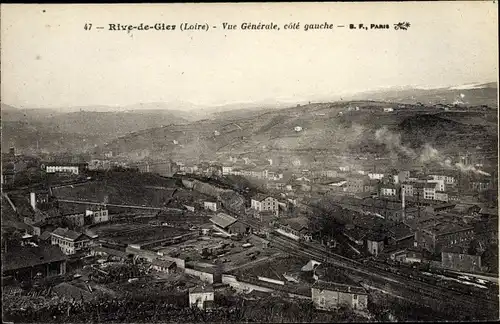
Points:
403	203
33	200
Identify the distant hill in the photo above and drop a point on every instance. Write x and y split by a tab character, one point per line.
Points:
331	128
474	95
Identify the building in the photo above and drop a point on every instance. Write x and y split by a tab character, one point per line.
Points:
407	188
448	179
226	170
437	233
201	297
375	243
164	266
69	241
295	228
228	225
388	190
263	202
72	168
429	191
355	185
100	215
39	200
333	290
441	196
32	260
208	205
375	176
456	258
388	109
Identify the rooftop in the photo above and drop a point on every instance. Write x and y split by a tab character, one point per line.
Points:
260	196
223	220
18	257
67	233
201	289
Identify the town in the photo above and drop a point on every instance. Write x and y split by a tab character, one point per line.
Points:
342	236
293	163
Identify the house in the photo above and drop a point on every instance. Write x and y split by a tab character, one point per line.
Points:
263	202
448	178
375	243
388	109
429	191
228	225
69	241
27	261
100	215
355	184
388	190
407	188
295	228
201	297
441	196
375	176
333	290
407	255
457	258
227	170
208	205
163	266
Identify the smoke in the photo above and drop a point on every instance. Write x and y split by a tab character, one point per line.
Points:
430	154
470	168
393	142
427	154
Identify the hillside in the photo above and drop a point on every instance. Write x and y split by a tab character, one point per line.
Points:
473	95
56	131
331	128
27	136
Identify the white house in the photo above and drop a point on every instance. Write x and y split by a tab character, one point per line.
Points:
388	191
62	169
375	176
298	128
208	205
388	109
263	202
201	297
69	241
227	170
98	216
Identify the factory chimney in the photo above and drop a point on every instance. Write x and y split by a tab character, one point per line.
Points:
403	204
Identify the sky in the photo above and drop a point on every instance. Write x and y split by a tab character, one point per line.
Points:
50	60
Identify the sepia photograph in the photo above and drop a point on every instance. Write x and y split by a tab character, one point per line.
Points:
249	162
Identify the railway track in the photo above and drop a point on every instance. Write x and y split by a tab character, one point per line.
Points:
421	288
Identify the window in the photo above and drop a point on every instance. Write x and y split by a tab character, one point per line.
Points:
355	297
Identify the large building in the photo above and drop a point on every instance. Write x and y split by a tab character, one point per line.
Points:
263	202
69	241
333	290
437	233
72	168
32	260
201	297
456	258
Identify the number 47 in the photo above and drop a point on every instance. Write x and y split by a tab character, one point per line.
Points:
87	26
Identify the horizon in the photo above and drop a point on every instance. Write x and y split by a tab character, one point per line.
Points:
71	67
249	104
